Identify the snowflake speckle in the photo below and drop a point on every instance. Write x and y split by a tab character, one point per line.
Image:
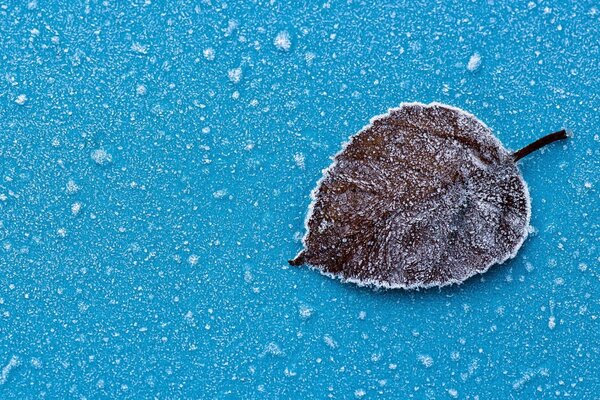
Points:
283	41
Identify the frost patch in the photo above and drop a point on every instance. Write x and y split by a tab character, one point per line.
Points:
75	208
272	349
235	75
219	194
309	57
299	160
139	48
528	376
329	341
12	363
283	41
474	62
72	187
21	99
209	54
426	360
193	259
101	157
305	311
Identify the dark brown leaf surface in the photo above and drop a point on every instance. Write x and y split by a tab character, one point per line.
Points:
424	196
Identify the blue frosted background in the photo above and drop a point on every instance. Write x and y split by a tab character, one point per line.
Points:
149	202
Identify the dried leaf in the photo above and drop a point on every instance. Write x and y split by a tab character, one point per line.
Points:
423	196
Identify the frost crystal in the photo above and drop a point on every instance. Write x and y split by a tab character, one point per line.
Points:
141	90
426	360
235	75
305	311
72	187
21	99
101	157
474	62
209	54
12	363
282	41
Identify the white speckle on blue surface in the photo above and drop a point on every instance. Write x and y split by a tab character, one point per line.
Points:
552	322
219	194
76	208
101	157
36	362
139	48
21	99
426	360
272	349
299	159
235	74
12	363
283	41
330	342
141	90
474	62
305	311
72	187
209	53
309	57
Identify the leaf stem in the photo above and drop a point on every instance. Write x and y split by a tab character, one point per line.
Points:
538	144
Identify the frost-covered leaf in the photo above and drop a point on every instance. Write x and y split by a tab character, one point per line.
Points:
423	196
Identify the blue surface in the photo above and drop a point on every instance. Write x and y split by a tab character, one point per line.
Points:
149	202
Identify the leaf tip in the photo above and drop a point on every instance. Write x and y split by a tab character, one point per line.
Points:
298	260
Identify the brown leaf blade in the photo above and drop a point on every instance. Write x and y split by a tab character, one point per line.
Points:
423	196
